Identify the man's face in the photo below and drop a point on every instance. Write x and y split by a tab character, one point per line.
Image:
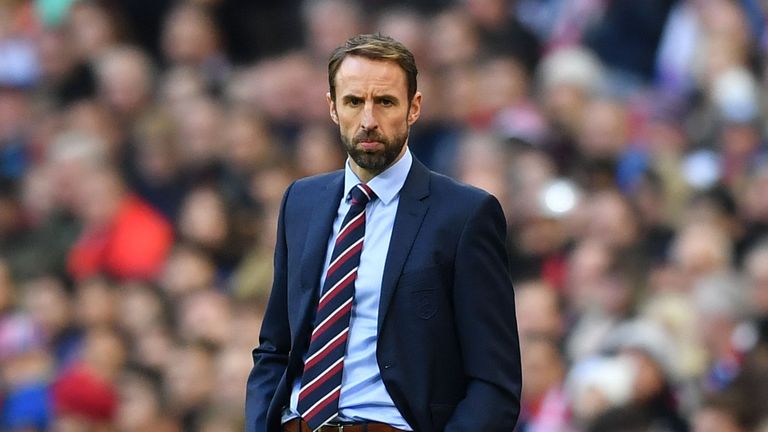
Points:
372	111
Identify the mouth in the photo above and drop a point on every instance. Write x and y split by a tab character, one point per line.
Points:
370	145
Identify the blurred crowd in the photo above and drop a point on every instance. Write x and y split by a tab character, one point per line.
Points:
145	146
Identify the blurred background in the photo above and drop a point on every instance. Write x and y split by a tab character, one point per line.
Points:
145	146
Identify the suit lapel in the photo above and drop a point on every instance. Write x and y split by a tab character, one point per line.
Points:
320	221
410	215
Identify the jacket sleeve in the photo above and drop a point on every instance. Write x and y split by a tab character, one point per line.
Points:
484	305
270	358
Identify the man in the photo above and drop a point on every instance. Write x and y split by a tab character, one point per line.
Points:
391	307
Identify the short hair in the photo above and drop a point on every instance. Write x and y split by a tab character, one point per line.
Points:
374	47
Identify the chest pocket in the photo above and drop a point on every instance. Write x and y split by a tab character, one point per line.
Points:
426	290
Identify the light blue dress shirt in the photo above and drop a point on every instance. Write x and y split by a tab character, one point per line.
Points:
363	395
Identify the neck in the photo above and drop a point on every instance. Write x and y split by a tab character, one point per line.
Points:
365	175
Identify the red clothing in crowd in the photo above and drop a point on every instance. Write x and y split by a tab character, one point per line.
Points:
81	393
133	246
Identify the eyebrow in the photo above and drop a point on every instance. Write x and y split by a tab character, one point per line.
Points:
393	99
351	97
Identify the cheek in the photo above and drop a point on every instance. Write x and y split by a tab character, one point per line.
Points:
347	127
347	120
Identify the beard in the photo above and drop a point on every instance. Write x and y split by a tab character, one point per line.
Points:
374	161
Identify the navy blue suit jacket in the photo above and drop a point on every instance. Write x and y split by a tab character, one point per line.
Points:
447	344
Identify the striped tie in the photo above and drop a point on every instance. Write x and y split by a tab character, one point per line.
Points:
321	381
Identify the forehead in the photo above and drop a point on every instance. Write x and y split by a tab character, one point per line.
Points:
359	74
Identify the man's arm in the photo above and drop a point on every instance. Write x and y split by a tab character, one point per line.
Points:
484	305
270	358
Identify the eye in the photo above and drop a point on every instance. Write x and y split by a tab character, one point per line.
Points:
387	102
354	102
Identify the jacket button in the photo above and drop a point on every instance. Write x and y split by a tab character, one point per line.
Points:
387	366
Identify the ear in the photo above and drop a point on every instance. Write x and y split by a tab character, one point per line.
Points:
415	110
332	108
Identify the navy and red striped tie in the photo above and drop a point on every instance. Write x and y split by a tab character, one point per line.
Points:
321	380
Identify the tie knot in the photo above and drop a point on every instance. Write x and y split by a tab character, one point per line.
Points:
361	194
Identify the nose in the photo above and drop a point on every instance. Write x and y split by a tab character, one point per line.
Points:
368	121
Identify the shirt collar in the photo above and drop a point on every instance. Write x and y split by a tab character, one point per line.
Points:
387	184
